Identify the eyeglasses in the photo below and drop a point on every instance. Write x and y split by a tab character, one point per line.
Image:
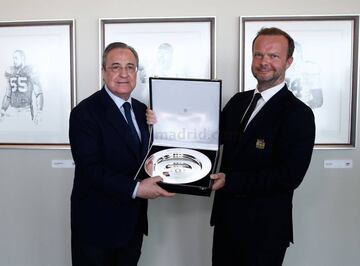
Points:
117	68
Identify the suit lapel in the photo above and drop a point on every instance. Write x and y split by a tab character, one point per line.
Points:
241	109
141	121
117	120
272	108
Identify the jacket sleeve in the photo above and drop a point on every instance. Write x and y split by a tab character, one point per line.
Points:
95	170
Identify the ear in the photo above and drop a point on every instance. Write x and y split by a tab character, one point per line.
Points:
289	62
102	75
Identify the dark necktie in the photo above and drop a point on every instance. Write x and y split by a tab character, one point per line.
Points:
134	134
249	111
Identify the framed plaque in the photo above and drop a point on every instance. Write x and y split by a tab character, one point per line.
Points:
185	139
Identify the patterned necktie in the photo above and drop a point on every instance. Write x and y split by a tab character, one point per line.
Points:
249	111
134	134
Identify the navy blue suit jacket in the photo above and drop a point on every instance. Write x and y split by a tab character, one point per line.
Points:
263	167
103	212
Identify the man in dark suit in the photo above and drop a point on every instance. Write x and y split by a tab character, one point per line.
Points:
266	154
109	139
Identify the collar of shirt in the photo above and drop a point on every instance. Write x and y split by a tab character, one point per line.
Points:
118	101
267	94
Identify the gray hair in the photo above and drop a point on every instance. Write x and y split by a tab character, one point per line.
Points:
116	45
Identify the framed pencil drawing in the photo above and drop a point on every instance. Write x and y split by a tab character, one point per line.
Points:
167	47
324	73
37	87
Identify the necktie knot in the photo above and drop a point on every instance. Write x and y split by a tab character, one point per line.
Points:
257	96
127	108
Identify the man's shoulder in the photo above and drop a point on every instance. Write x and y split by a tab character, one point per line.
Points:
11	71
296	102
89	102
137	103
296	109
240	96
27	69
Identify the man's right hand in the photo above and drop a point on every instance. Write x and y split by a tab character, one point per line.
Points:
150	117
149	189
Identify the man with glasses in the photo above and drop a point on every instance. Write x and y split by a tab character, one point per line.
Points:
109	139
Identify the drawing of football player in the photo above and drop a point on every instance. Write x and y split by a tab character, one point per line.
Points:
23	96
304	79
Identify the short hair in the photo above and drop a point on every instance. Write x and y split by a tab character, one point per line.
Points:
116	45
165	46
277	31
21	53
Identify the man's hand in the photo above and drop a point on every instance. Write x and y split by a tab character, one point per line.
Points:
219	181
38	118
150	117
149	189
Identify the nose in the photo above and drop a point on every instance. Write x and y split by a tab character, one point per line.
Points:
265	60
123	72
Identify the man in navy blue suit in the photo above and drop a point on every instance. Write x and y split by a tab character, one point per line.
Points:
266	154
109	139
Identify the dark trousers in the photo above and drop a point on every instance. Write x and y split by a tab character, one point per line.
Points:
89	255
228	252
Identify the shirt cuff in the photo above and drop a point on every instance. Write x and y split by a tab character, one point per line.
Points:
135	190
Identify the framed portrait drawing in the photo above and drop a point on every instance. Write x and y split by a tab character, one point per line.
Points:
37	87
324	73
167	47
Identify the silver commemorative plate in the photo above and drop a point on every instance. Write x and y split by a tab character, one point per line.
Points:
178	166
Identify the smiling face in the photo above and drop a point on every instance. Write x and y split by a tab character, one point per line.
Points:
116	75
270	60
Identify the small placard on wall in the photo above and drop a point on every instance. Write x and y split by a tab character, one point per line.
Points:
62	164
338	163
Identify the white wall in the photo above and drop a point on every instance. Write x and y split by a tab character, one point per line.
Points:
34	198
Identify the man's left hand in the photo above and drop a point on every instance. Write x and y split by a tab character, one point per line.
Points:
219	181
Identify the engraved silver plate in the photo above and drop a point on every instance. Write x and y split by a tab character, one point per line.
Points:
178	166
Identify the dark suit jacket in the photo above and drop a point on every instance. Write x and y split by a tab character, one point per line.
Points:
103	212
263	167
